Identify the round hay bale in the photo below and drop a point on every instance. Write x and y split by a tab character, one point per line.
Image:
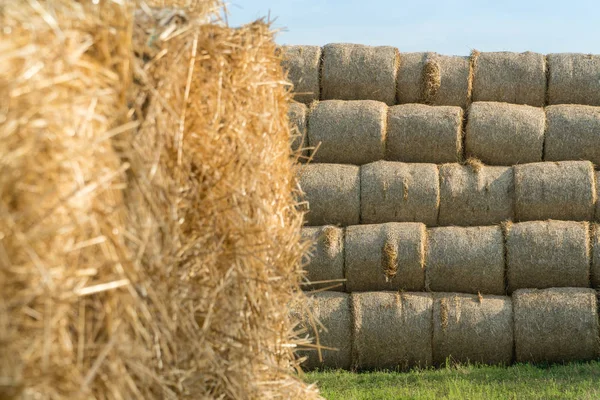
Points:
332	192
471	328
347	132
545	254
475	195
573	133
573	79
392	330
399	192
562	190
299	143
358	72
453	86
385	257
518	78
302	64
555	325
597	211
425	134
595	271
410	77
325	265
465	259
505	134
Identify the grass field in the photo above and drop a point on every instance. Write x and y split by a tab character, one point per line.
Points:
572	381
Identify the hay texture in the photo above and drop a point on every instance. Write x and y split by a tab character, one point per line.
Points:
573	79
299	139
399	192
446	80
475	194
595	248
303	64
332	194
385	257
505	134
358	72
467	260
392	330
424	134
469	328
348	132
555	325
518	78
324	265
562	190
573	133
410	78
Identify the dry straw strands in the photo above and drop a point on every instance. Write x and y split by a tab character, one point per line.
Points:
555	325
573	79
303	64
358	72
325	264
348	132
411	69
299	140
573	133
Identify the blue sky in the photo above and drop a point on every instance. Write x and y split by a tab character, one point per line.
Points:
445	26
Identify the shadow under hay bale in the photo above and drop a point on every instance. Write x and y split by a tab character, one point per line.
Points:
325	265
573	79
573	133
299	141
302	64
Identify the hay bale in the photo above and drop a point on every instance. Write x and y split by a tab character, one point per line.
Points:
573	79
299	143
467	260
475	195
595	247
392	330
453	87
518	78
302	64
410	77
555	325
358	72
324	265
597	211
545	254
472	329
332	192
505	134
385	257
572	133
555	190
347	132
399	192
425	134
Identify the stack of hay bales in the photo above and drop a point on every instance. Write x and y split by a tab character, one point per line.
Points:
467	204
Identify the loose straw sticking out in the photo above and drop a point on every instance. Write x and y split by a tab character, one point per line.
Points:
432	80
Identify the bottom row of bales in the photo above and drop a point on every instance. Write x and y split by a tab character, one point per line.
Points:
393	330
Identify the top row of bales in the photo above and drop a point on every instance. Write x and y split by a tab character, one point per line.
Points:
359	72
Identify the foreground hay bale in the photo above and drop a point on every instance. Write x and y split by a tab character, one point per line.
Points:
302	64
358	72
324	265
555	325
505	134
447	80
545	254
392	330
348	132
573	133
518	78
562	190
399	192
297	115
475	194
385	257
573	79
471	328
424	134
467	260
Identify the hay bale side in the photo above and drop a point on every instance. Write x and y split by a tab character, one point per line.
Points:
505	134
467	260
332	194
453	86
518	78
410	77
324	264
555	325
475	195
472	328
347	132
563	190
385	257
302	64
595	270
399	192
392	330
358	72
573	79
597	211
299	140
424	134
573	133
545	254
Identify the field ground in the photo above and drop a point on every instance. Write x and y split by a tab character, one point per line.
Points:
572	381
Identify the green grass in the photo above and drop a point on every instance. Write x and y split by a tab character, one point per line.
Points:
572	381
